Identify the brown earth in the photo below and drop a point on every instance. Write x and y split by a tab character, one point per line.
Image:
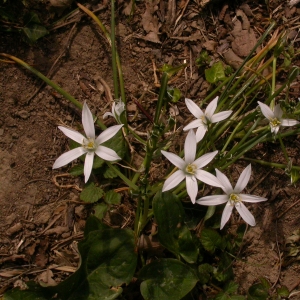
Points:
42	217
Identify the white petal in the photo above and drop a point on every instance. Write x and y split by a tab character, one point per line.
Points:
201	132
105	116
211	108
108	134
227	187
274	129
174	159
266	110
243	180
205	159
221	116
289	122
72	134
226	214
173	180
278	111
245	213
190	145
68	157
194	124
208	178
192	187
252	198
212	200
88	165
107	153
194	108
88	122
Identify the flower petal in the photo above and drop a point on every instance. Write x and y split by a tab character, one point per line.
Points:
278	111
108	134
252	198
243	180
289	122
226	214
107	153
72	134
190	145
211	108
194	108
192	187
221	116
212	200
227	187
173	180
107	114
200	132
174	159
266	110
67	157
194	124
205	159
245	213
88	165
88	122
208	178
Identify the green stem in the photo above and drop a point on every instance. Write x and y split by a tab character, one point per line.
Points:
270	164
283	148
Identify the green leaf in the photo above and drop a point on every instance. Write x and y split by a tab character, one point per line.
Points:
76	170
100	210
210	239
111	197
203	59
215	73
283	292
210	212
174	94
91	193
224	272
258	291
172	232
34	32
117	143
205	272
166	277
92	224
109	173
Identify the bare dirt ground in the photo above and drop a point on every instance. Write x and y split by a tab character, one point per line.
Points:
41	215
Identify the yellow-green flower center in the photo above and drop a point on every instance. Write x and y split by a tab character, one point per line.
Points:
89	144
191	169
204	119
274	122
234	198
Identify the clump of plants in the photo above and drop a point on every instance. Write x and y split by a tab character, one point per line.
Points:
232	121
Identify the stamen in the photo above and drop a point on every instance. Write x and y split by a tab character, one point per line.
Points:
89	144
274	122
191	169
234	199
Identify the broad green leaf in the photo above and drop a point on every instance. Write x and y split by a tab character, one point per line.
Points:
111	197
93	224
205	272
210	212
34	32
225	296
109	173
258	292
215	73
76	170
31	18
117	143
166	277
224	272
231	287
172	232
91	193
100	210
210	239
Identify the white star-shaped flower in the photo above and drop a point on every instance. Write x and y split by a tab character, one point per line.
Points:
189	168
233	197
90	144
117	108
275	117
204	119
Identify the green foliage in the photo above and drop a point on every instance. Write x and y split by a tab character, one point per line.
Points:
172	232
229	293
211	240
166	277
91	193
215	73
111	197
203	59
174	94
205	272
100	210
259	291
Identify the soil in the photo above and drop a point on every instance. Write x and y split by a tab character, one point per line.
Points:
42	217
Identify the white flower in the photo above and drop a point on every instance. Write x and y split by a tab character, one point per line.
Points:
117	108
275	117
190	169
233	198
90	144
203	119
